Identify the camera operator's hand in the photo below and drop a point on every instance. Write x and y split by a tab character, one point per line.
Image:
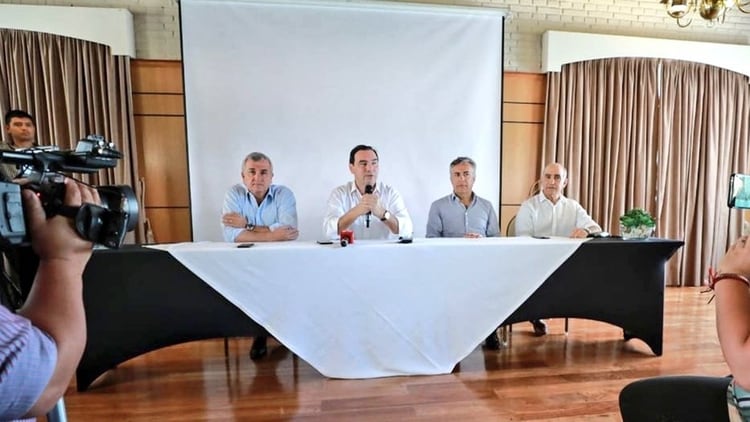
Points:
56	238
55	303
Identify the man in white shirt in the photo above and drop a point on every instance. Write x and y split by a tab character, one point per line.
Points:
370	209
550	213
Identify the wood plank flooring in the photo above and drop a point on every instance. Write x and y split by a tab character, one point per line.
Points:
566	378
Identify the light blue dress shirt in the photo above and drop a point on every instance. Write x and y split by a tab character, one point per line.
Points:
450	218
279	208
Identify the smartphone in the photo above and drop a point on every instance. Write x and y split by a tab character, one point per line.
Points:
739	191
246	245
325	242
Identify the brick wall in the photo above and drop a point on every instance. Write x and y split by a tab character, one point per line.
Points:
158	33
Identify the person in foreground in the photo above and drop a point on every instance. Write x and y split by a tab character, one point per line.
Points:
694	398
464	214
550	213
370	209
41	345
258	211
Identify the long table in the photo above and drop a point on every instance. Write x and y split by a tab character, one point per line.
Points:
140	299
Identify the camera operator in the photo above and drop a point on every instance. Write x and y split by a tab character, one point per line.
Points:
41	345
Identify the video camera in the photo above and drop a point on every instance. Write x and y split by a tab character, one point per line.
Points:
40	169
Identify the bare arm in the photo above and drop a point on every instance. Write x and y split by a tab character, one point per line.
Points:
55	303
733	312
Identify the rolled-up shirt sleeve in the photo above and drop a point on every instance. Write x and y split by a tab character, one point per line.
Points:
286	207
27	361
231	204
335	208
397	207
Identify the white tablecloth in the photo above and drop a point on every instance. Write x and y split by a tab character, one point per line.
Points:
378	308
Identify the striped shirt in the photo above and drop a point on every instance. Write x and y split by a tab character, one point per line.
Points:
27	360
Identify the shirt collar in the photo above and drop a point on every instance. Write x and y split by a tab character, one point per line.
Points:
543	199
455	197
270	194
353	188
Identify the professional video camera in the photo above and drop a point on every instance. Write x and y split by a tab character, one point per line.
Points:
39	169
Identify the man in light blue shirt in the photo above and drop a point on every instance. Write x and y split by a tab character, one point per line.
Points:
464	214
258	211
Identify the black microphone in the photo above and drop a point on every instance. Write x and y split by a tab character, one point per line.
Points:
368	190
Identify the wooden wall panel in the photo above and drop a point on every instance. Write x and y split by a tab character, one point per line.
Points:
162	143
160	129
158	104
524	87
171	224
523	113
521	157
523	124
156	76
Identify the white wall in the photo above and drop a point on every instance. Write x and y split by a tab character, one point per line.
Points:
112	27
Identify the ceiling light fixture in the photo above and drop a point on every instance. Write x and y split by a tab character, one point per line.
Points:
713	11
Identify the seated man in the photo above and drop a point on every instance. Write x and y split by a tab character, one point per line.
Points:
370	209
464	214
258	211
550	213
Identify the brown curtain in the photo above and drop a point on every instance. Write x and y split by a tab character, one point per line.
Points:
655	134
704	136
73	88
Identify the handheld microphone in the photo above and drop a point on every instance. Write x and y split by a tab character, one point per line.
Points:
368	190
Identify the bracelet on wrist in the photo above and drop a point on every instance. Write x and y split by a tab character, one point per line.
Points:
714	278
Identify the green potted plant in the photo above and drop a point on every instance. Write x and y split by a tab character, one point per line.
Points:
637	224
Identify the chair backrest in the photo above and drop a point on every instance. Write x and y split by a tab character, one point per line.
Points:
510	229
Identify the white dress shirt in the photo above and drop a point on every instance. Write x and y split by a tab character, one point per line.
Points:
347	196
538	216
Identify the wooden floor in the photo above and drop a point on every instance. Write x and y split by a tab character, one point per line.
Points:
557	377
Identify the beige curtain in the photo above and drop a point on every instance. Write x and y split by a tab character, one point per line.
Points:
703	139
599	124
73	88
655	134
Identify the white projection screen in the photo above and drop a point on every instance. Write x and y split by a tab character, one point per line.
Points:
306	81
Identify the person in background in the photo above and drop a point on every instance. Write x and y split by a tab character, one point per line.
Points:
371	209
696	398
464	214
21	131
550	213
41	344
256	210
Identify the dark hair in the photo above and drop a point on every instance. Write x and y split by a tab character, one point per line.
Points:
359	148
460	160
18	114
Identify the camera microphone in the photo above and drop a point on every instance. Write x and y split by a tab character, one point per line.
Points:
368	190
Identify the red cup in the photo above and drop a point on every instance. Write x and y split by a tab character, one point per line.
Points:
348	236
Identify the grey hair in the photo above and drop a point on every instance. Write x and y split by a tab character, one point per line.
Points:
255	157
460	160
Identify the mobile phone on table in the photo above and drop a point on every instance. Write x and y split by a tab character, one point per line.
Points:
246	245
325	242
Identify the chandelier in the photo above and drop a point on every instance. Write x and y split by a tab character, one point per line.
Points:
712	11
